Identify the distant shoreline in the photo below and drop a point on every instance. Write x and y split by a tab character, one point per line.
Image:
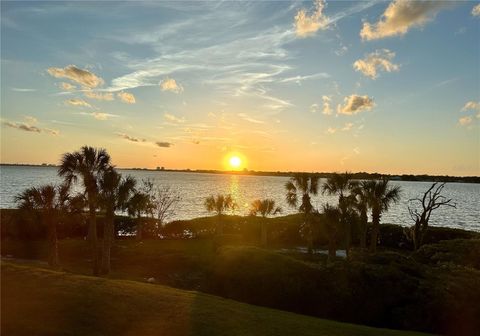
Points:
358	175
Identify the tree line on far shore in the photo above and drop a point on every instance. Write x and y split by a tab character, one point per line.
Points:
104	190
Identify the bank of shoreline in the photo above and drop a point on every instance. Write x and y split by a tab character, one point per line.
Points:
356	176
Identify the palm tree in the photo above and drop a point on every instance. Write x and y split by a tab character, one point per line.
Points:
340	184
303	185
50	201
380	196
114	194
361	205
219	205
332	220
139	204
87	164
265	208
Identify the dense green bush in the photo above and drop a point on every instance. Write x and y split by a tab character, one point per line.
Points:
465	252
387	290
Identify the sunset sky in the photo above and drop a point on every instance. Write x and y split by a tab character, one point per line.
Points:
376	86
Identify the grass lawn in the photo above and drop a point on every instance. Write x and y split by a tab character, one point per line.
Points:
43	302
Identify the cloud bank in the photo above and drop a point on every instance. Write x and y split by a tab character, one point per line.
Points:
308	24
170	84
400	16
355	104
81	76
163	144
99	96
380	60
77	102
126	97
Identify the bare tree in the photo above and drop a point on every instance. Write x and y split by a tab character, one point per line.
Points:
431	200
165	201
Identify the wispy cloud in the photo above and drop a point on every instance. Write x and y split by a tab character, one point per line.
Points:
174	119
22	126
380	60
465	121
400	16
30	128
476	10
103	116
126	97
242	66
355	104
163	144
67	86
471	105
99	115
326	108
130	138
246	117
299	79
170	84
99	95
77	102
23	90
331	130
347	127
307	24
51	131
30	119
81	76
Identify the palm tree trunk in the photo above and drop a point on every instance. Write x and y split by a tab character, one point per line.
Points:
92	237
332	245
139	227
309	234
348	238
108	236
264	233
363	229
375	230
53	259
219	228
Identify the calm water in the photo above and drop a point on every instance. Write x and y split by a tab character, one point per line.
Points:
193	188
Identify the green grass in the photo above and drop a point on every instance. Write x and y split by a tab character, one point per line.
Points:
43	302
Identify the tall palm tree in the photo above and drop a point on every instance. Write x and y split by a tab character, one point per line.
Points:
114	194
219	205
50	201
341	185
303	185
362	206
265	208
138	205
380	196
87	164
332	220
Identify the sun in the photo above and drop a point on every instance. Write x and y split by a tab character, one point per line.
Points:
235	162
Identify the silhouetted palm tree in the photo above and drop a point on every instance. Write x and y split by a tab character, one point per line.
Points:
114	194
87	164
50	201
219	205
361	205
265	208
139	204
332	219
341	185
380	196
303	185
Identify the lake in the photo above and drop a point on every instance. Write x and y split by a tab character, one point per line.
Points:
193	188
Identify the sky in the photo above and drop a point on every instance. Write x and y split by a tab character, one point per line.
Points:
376	86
